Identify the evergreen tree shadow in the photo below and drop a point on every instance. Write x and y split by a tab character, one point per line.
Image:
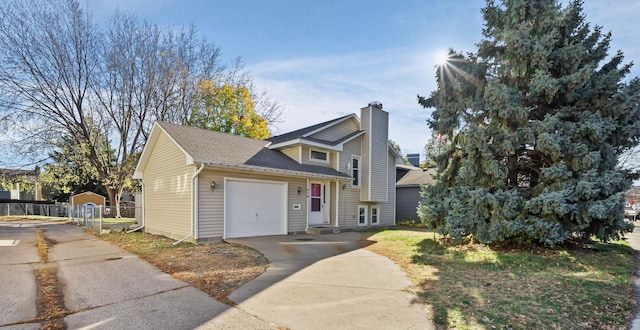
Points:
480	286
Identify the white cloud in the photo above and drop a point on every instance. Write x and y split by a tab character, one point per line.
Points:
315	89
318	88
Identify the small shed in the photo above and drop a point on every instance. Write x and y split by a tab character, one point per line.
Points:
87	197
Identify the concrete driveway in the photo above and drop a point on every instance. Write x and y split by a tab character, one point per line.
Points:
326	282
103	286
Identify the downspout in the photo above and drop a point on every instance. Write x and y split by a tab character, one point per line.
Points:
194	206
141	211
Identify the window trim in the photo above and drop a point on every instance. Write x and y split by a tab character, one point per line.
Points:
359	178
377	208
366	209
311	151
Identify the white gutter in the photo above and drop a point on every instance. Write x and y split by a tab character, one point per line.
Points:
194	206
338	147
268	170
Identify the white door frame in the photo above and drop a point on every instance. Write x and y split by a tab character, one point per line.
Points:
321	217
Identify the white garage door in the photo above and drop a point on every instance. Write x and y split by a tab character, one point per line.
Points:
255	208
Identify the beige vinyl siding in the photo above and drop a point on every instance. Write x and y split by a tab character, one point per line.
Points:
167	190
297	219
375	154
350	148
338	131
306	152
365	161
293	153
211	204
348	207
349	198
333	186
388	209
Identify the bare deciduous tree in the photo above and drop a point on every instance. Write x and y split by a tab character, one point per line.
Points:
63	79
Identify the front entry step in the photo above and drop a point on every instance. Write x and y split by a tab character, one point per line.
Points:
325	230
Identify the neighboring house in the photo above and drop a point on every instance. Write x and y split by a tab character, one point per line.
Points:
632	197
202	185
408	181
632	203
16	192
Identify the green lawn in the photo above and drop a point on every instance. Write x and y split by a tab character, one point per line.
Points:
475	287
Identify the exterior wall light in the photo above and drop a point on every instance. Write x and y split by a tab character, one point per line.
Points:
213	185
299	190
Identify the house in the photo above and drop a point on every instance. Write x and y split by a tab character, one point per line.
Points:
631	209
201	185
409	179
15	177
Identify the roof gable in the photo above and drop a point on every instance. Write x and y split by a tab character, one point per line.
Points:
307	134
221	149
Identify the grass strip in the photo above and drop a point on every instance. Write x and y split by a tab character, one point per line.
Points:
50	303
214	268
474	286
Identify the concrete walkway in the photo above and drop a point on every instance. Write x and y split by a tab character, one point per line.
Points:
634	241
326	282
103	286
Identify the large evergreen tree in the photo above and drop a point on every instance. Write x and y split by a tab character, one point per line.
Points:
537	120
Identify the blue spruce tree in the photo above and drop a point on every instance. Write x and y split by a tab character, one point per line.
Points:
537	118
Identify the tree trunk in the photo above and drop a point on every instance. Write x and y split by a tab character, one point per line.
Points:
512	176
114	199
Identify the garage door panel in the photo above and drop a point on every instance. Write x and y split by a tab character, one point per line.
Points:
254	208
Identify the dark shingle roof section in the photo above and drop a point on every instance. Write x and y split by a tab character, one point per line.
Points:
417	176
213	147
225	149
299	133
275	159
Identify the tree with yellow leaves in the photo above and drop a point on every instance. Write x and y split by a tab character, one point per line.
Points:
229	109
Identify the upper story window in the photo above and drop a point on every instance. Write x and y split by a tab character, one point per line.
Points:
355	170
319	156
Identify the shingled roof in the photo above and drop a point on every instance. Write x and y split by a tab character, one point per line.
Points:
416	176
300	133
215	148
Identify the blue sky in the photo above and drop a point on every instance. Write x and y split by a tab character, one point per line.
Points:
324	59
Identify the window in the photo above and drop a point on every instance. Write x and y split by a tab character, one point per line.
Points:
320	156
316	197
375	210
362	215
355	170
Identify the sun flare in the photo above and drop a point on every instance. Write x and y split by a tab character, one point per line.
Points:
440	57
